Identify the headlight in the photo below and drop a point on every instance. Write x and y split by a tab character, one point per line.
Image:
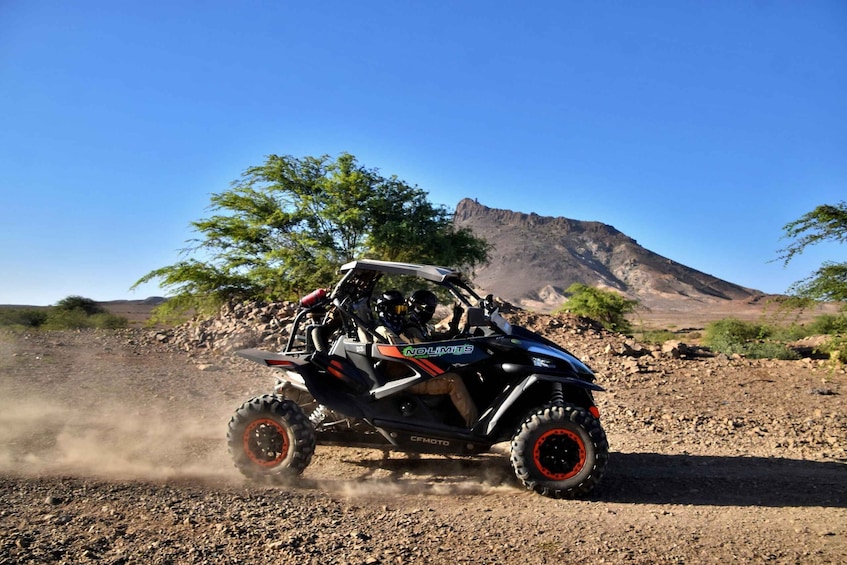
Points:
543	363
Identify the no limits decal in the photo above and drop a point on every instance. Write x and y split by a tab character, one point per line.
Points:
426	351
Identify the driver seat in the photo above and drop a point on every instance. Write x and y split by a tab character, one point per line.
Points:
364	316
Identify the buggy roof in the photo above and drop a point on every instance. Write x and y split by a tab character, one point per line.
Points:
428	272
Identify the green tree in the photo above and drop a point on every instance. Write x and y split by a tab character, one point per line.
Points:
287	225
78	312
824	223
87	305
607	307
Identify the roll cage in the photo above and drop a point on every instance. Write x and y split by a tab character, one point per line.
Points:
360	278
348	306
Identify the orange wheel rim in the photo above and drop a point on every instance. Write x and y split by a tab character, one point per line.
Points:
266	442
559	454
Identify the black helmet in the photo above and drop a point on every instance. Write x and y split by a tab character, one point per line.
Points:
391	307
422	305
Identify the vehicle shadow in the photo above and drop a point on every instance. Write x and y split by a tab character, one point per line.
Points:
654	478
639	478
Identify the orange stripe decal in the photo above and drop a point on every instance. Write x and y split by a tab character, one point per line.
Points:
395	352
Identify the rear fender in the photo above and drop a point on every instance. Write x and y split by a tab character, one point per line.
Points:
322	385
343	370
275	360
293	368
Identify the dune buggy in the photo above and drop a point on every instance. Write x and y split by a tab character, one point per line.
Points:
334	387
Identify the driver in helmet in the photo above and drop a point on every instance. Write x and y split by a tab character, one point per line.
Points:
391	310
422	306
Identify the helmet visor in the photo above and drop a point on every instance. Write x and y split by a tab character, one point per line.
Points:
397	308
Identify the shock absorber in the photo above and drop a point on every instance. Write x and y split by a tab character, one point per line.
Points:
318	415
557	397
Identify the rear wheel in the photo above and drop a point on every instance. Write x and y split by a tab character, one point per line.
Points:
270	438
560	451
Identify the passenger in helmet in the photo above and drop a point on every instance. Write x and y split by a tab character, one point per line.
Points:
391	312
422	306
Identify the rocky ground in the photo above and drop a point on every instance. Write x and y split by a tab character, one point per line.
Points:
112	450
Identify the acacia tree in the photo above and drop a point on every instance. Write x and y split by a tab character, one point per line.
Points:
826	222
287	225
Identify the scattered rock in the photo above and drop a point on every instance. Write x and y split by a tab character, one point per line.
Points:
114	452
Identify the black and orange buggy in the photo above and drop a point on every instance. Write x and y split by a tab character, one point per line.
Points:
340	383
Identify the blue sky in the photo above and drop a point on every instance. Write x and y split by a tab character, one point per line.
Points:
697	128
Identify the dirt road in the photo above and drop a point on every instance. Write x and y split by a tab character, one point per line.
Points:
112	450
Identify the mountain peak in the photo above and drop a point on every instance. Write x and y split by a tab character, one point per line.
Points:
535	258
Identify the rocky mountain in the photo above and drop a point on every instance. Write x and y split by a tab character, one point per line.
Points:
535	258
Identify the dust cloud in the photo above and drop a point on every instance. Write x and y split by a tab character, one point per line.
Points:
41	437
87	406
130	442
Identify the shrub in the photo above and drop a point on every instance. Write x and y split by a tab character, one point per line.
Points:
729	333
836	348
791	332
71	313
67	319
731	336
87	305
658	336
769	350
828	324
108	321
607	307
25	317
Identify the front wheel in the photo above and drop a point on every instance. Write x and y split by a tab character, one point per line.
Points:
270	438
560	451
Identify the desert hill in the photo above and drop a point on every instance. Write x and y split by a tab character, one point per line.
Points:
535	258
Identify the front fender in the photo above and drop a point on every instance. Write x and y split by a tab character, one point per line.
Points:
533	377
541	374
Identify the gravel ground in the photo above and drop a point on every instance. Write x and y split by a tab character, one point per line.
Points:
112	450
